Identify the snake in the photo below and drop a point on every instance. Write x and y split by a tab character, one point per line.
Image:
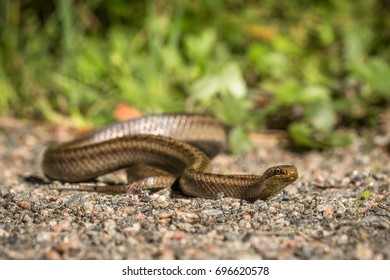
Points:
159	151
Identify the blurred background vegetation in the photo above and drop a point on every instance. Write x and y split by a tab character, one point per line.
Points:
309	67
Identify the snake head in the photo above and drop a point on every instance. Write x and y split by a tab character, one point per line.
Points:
277	178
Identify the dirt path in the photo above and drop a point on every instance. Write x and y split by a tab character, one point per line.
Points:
318	217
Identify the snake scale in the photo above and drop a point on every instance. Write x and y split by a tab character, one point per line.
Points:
160	150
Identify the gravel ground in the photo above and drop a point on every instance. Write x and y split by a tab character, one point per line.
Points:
318	217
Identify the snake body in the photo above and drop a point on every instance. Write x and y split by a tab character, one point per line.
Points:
175	146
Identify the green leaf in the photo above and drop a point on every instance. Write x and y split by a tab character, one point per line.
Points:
232	110
228	81
376	73
256	53
321	115
232	81
239	141
290	91
287	92
205	88
338	140
200	46
301	134
356	43
305	136
327	33
366	194
314	93
276	64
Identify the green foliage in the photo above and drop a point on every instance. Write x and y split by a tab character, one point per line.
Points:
327	62
239	141
375	72
365	195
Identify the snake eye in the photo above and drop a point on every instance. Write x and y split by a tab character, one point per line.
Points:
277	171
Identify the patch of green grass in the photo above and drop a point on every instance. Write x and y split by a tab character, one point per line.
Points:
310	69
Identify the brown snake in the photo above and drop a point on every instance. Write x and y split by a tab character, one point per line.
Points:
160	149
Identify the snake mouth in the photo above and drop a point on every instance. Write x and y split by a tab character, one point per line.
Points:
292	173
290	176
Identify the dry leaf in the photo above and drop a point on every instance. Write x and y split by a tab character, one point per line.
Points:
125	112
